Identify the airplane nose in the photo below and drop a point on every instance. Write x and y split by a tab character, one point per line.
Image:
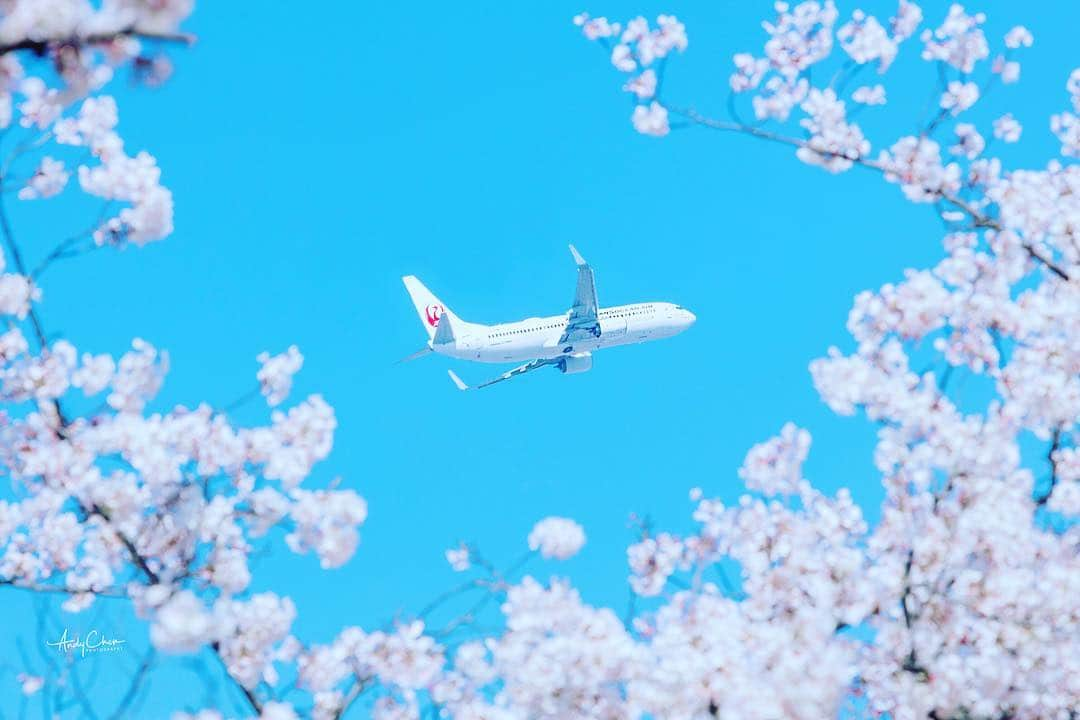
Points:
690	318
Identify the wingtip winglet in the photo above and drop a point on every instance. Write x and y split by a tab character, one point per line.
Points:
457	381
577	256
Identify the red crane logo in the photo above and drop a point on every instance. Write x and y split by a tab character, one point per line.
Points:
434	312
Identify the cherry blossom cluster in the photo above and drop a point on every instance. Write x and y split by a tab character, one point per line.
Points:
86	45
557	537
1067	125
961	601
276	374
163	507
67	19
634	50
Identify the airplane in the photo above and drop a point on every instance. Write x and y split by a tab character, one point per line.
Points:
564	341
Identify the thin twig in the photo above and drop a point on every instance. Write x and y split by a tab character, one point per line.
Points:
254	701
133	689
16	255
359	686
116	593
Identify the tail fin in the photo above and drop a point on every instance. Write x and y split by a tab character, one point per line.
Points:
428	307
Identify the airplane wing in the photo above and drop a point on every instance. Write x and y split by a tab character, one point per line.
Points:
582	321
520	370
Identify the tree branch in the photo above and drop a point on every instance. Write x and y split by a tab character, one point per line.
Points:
358	687
16	255
61	590
1054	445
133	552
980	219
252	700
133	689
40	47
911	662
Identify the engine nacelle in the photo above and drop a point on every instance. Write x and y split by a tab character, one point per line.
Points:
576	363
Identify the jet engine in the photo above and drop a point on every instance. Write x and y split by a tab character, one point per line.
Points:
576	363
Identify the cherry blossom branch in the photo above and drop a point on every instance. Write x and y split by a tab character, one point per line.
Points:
495	582
16	255
1055	444
146	565
252	700
132	551
27	145
154	578
447	595
934	123
39	627
40	47
79	694
360	684
242	400
136	684
64	250
911	664
467	617
980	219
115	593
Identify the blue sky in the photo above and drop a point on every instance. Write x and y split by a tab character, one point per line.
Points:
317	156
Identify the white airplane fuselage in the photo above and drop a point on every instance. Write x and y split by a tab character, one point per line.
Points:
565	341
539	337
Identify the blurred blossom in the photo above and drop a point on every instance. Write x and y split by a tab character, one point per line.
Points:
557	538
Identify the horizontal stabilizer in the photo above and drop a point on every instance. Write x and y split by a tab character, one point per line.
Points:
457	380
418	354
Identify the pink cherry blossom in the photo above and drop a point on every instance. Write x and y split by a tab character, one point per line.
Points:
958	599
834	143
958	41
908	18
970	143
651	119
596	28
276	373
959	97
1017	37
748	72
775	467
48	180
30	684
865	40
800	36
182	624
866	95
16	294
643	86
1008	70
459	558
556	537
1007	128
